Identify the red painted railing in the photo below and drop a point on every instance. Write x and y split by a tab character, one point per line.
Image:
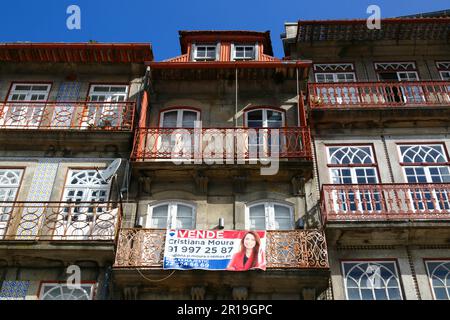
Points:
83	221
398	201
116	116
221	143
379	94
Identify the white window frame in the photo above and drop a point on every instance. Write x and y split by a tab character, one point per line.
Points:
335	76
445	75
32	114
426	168
180	112
269	210
56	286
98	111
333	67
172	211
395	66
253	45
5	212
264	116
394	263
353	167
430	274
203	59
86	188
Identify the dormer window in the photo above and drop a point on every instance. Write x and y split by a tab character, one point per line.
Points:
205	52
244	52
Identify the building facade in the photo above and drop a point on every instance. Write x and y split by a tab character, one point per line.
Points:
378	106
68	112
339	151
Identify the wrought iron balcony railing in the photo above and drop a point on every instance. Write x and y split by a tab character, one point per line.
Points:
115	116
296	249
393	201
379	94
221	143
83	221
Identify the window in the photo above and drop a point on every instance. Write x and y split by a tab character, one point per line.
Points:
243	52
354	165
400	72
336	73
426	164
9	185
59	291
106	109
439	276
25	105
172	215
176	139
86	195
371	280
264	141
179	118
445	75
444	69
270	216
205	52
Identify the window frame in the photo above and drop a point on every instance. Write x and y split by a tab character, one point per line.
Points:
443	67
42	284
269	213
374	260
205	44
171	213
92	85
264	118
430	282
237	44
180	110
29	83
16	196
397	70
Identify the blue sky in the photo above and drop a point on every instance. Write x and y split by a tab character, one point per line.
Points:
158	22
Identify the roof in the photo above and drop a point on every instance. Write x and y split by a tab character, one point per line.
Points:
391	29
76	52
225	35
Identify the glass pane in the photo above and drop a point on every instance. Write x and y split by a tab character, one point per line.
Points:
255	119
189	117
257	217
282	218
170	119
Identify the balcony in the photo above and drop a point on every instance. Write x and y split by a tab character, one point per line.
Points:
221	144
95	116
305	249
368	95
59	221
386	202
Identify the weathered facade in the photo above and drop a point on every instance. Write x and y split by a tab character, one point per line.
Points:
230	82
378	105
68	112
339	151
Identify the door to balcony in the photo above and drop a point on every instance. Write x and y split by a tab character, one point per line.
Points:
266	139
176	138
25	108
107	107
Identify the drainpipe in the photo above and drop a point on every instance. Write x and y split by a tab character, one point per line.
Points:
236	99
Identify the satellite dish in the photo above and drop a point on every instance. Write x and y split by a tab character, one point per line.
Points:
109	172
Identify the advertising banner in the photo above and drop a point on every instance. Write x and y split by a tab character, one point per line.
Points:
230	250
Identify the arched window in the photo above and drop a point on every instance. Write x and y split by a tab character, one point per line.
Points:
9	185
426	164
354	165
171	215
439	275
264	118
58	291
371	280
269	215
179	118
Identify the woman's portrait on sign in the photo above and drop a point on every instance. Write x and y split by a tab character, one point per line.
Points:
250	254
